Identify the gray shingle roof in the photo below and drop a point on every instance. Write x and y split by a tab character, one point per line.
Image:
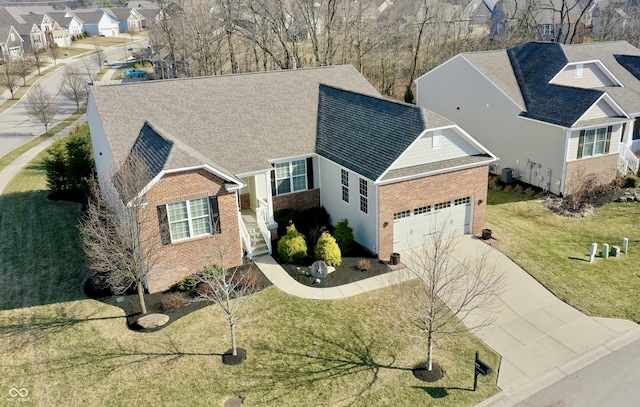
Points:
534	65
235	122
367	134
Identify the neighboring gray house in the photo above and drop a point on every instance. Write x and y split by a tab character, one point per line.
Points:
551	112
291	139
615	19
68	21
130	19
99	23
30	33
10	44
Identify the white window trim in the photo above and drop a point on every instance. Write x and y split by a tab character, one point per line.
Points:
291	177
364	198
189	219
344	175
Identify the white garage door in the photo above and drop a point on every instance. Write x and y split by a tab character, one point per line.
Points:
412	228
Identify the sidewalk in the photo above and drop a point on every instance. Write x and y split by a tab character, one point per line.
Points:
540	338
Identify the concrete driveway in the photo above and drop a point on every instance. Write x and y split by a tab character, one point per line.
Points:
541	339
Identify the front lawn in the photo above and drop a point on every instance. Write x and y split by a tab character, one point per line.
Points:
67	349
555	251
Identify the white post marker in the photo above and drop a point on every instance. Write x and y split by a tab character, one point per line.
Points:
625	245
594	249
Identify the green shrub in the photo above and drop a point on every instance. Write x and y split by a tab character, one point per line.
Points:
292	246
328	251
187	284
147	64
631	181
344	235
137	65
69	163
284	217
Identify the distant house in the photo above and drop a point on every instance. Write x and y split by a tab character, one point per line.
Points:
130	20
69	21
32	36
612	19
543	20
10	44
54	33
292	139
553	113
99	23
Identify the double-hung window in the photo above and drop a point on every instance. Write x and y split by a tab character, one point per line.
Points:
190	218
291	177
594	142
364	193
344	180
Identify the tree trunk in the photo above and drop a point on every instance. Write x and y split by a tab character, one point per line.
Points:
234	348
143	305
430	353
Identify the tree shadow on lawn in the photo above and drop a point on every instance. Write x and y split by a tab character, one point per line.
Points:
105	357
354	357
439	392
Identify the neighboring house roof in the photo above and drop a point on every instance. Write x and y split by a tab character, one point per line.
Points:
91	17
367	134
523	73
534	65
209	112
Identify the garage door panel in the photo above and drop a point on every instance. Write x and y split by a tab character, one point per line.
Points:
412	228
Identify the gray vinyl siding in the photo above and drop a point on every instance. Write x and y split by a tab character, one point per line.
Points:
599	110
449	145
364	225
460	93
592	77
614	146
101	149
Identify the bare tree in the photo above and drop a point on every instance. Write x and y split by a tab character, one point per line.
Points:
9	77
231	290
73	86
54	53
449	296
40	105
39	57
23	67
98	57
116	230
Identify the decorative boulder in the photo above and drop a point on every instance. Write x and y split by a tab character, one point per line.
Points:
152	321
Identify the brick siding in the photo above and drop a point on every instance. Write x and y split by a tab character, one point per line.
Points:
407	195
180	259
298	200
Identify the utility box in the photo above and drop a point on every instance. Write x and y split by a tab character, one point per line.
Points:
507	175
615	251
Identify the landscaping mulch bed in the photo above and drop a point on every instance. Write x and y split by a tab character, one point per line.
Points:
346	273
129	302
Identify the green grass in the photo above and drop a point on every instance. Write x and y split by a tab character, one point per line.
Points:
66	349
555	251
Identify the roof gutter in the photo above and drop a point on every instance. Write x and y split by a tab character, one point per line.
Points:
441	171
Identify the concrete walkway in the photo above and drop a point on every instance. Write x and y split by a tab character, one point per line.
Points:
540	338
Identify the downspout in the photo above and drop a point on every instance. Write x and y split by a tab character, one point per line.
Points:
377	195
566	159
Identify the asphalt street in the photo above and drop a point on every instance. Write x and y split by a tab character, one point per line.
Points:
613	381
17	128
